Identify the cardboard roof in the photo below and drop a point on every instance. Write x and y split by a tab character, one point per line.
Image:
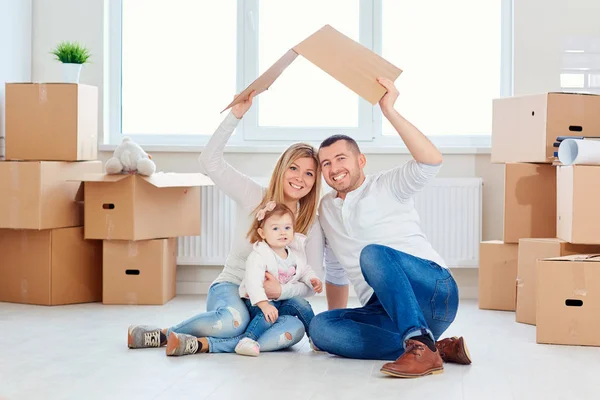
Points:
346	60
159	179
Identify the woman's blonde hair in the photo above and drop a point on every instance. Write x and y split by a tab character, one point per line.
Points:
276	210
307	211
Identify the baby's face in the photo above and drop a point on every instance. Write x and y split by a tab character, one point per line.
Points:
278	231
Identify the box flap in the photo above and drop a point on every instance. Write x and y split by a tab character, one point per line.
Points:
80	195
265	81
172	179
346	60
576	257
159	179
101	177
574	93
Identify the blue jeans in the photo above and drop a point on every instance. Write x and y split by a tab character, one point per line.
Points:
226	314
412	297
295	316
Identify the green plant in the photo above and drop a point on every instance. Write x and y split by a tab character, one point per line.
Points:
71	53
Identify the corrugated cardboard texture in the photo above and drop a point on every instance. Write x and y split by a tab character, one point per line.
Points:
530	250
42	195
529	201
568	302
140	272
50	267
133	207
578	195
497	275
51	122
524	128
346	60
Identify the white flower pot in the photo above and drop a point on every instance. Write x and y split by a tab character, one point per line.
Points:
70	72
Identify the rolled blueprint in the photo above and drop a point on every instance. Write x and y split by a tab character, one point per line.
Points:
576	151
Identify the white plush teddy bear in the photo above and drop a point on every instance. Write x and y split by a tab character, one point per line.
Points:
130	158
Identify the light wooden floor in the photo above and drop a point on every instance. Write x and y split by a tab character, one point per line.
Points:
80	352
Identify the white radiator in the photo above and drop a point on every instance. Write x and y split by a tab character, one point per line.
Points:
450	211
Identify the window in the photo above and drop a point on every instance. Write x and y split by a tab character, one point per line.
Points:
174	66
177	68
275	36
580	72
451	63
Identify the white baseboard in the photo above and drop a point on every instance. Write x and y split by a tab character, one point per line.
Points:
192	279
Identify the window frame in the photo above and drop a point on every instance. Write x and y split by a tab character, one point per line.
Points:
248	133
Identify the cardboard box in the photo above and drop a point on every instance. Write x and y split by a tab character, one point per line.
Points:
135	207
50	267
578	195
140	272
530	250
346	60
524	128
51	122
42	195
497	275
529	201
568	300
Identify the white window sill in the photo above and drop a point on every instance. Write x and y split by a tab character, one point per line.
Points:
270	149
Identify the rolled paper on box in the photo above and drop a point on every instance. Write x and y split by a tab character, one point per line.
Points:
576	151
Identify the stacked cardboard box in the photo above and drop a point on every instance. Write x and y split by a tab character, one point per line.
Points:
550	219
138	219
70	233
51	132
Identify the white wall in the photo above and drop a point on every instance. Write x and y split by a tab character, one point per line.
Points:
15	49
73	20
539	27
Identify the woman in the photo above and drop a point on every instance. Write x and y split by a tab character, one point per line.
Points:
296	183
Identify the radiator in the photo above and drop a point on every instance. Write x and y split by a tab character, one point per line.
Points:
450	211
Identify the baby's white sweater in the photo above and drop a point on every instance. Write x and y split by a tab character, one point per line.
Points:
247	195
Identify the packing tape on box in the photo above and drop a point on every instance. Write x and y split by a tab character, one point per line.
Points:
519	282
577	151
132	249
109	227
42	93
131	298
579	279
14	202
24	288
13	212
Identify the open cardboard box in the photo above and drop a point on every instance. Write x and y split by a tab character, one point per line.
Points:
351	63
136	207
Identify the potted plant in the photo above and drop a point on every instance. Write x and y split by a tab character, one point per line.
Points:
72	55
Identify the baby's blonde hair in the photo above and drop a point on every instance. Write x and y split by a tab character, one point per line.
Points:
278	211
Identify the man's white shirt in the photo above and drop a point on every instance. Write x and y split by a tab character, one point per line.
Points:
381	211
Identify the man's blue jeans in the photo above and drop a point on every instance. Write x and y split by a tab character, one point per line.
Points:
412	297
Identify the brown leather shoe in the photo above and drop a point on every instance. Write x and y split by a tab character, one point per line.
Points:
454	350
418	360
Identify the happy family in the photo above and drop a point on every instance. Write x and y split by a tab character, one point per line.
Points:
366	232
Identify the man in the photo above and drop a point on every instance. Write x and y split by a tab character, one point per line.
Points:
373	237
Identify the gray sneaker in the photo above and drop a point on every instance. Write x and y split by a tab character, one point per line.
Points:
180	344
143	336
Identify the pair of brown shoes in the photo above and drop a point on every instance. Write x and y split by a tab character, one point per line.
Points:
418	360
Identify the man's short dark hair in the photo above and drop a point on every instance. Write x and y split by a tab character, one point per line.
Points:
336	138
